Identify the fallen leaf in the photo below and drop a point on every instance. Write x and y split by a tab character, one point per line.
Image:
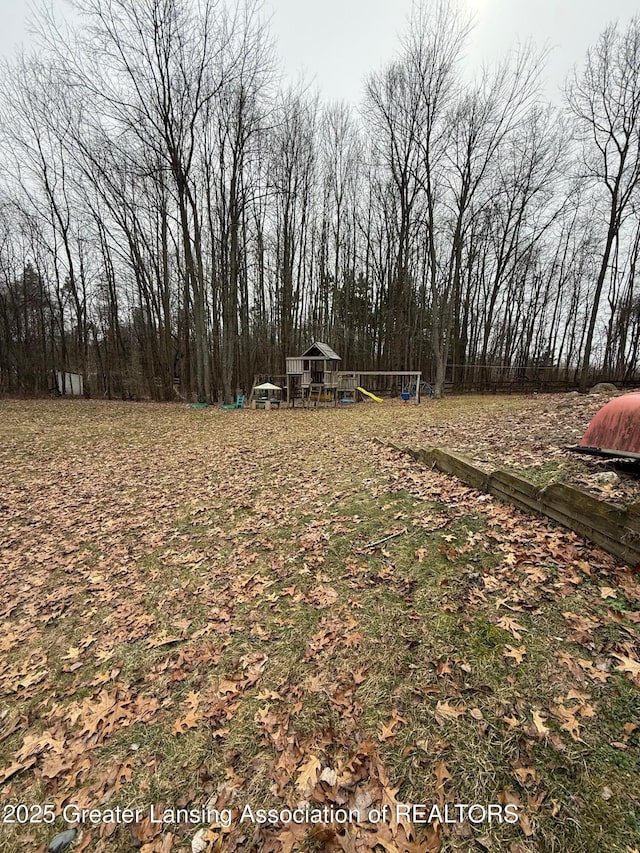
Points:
308	775
329	776
508	624
539	723
452	712
627	664
516	653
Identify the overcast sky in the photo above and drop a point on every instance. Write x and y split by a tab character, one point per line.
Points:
335	43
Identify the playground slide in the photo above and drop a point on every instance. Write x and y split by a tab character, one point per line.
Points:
369	394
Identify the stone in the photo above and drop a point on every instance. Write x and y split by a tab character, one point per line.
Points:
604	388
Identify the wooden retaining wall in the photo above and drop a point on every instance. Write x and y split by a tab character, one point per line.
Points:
614	529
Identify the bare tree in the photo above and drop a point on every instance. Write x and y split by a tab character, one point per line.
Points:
605	101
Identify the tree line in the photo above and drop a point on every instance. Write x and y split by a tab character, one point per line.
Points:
173	221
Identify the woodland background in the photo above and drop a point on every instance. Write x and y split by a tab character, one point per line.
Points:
173	221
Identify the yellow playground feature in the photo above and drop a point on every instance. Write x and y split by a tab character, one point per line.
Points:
369	394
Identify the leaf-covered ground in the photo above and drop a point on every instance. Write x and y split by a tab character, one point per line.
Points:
206	609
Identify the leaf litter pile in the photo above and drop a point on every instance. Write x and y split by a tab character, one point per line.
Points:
212	613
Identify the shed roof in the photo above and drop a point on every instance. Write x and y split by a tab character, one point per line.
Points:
321	350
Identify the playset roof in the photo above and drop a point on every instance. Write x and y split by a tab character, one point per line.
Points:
321	350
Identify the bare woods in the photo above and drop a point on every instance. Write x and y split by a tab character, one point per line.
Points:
173	221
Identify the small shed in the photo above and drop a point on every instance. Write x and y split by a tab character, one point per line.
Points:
69	383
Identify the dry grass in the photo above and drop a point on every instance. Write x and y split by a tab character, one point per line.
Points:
215	564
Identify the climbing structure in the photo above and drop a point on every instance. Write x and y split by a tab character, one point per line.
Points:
315	377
